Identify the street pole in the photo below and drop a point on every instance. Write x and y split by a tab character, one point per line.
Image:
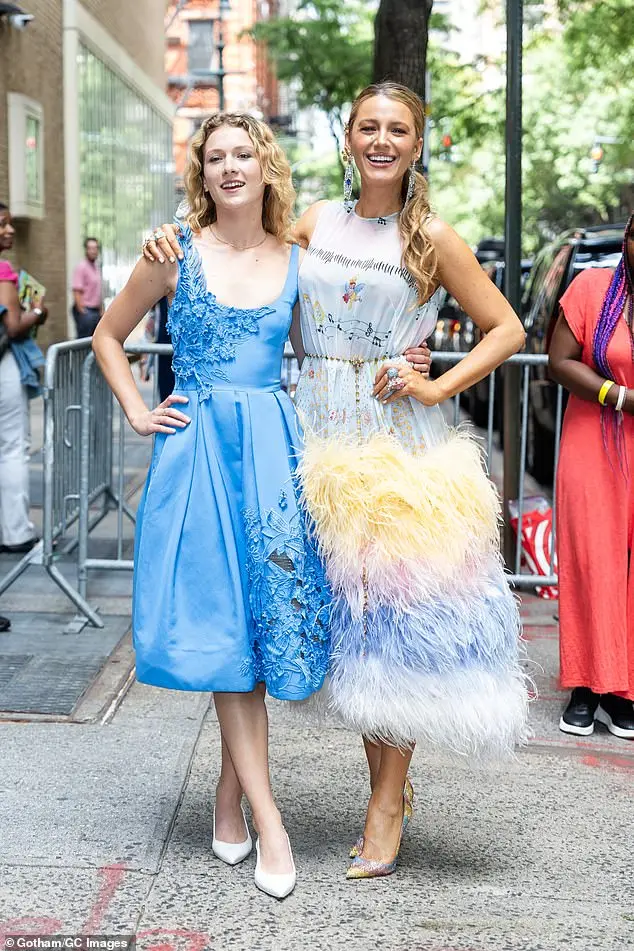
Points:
224	8
512	257
427	128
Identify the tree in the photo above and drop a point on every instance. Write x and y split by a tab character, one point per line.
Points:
578	91
324	53
400	42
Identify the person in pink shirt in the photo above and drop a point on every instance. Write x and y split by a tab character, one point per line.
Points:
17	532
87	290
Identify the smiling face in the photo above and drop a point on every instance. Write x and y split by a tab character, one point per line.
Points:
231	171
383	140
7	231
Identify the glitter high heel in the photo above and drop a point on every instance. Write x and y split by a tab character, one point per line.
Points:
408	811
361	867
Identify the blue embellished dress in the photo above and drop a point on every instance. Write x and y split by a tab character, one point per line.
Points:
228	590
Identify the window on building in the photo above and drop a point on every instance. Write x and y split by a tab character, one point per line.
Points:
126	176
201	46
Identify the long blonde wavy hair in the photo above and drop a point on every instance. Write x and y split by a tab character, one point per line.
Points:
419	255
279	194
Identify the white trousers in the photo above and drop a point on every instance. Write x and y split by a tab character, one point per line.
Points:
15	525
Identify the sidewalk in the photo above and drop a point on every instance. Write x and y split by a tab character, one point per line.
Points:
106	816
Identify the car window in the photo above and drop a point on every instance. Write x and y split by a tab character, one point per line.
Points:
607	259
535	279
545	301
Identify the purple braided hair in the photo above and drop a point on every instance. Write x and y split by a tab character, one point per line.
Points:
621	288
619	294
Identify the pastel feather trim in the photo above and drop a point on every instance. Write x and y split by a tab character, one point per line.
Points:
376	502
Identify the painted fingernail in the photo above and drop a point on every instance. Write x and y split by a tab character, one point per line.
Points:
161	261
172	260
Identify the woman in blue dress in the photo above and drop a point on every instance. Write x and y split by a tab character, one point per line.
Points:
229	595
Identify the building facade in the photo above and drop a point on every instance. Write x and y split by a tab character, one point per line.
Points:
87	118
212	62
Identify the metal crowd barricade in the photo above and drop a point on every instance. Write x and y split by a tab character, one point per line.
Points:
517	577
88	440
93	428
63	400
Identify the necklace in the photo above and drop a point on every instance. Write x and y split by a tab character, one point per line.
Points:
235	248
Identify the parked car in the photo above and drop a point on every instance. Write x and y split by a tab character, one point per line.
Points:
555	267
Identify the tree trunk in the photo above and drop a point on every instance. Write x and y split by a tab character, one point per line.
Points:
400	42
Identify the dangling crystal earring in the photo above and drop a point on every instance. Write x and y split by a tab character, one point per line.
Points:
348	177
411	182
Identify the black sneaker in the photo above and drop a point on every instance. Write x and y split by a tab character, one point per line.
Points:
579	715
20	549
617	714
5	624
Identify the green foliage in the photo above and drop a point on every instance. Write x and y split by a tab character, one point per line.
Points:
574	95
578	85
600	34
324	51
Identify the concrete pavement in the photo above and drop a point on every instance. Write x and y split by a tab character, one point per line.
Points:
106	821
106	828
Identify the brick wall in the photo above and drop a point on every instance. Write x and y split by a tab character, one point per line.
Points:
31	63
137	26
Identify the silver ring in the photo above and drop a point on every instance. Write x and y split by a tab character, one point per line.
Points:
158	234
392	373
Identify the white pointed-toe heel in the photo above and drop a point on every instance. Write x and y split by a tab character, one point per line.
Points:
277	885
232	852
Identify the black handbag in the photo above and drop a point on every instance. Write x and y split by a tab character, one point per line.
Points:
4	334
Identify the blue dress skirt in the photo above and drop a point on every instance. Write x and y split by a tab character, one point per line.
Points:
228	588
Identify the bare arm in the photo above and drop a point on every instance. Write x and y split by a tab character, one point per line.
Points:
566	367
78	300
17	321
460	273
145	288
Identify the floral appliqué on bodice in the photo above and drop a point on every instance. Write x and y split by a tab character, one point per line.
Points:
203	331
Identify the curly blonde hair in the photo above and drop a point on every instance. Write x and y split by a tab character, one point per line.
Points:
279	194
419	255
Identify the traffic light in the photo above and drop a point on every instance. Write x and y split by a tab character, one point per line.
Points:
596	154
446	144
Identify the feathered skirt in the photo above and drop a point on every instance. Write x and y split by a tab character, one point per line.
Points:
425	631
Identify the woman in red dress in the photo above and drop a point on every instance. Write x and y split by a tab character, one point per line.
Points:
592	355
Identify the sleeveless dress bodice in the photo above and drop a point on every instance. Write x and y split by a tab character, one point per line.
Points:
228	589
222	347
358	309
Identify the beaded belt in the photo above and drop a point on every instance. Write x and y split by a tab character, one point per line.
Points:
356	362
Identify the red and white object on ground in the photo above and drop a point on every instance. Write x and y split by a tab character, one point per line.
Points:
537	539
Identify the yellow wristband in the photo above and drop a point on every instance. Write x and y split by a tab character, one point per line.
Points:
605	389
